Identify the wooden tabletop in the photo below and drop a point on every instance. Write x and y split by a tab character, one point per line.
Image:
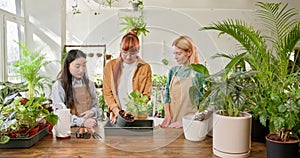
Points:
165	142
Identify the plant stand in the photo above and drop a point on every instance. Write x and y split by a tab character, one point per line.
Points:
232	135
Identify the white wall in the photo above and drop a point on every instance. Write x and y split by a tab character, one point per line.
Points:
43	31
166	20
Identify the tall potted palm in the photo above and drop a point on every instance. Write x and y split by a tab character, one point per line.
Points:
268	52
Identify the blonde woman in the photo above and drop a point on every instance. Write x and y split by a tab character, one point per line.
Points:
180	78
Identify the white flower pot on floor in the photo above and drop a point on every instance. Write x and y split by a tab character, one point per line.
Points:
195	130
232	135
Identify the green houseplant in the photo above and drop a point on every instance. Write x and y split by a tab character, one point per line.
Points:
28	67
228	93
137	4
19	116
135	24
268	52
137	105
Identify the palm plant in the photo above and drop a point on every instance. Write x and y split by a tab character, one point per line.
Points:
269	52
29	66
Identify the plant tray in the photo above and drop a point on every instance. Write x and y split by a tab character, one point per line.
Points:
136	128
26	142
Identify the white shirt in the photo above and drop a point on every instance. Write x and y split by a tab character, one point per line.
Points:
125	85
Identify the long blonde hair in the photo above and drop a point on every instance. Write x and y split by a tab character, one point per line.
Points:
186	43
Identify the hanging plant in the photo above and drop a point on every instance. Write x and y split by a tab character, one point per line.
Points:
136	24
75	9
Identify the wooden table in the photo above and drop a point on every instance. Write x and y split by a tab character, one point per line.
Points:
165	142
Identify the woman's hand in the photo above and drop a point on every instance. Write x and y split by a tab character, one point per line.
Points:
90	123
116	112
167	120
87	114
177	124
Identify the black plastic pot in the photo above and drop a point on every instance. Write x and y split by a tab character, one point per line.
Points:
121	122
278	149
259	131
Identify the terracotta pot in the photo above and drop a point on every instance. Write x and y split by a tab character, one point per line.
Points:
41	126
34	131
279	149
141	117
50	127
108	57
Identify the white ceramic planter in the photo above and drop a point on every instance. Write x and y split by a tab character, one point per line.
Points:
232	135
194	130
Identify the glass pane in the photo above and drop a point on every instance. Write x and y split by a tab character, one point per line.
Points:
12	6
15	33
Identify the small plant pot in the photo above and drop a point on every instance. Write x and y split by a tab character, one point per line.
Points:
34	131
140	117
279	149
123	121
108	56
41	126
135	6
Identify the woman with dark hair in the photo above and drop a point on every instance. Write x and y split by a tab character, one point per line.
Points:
126	74
180	78
76	91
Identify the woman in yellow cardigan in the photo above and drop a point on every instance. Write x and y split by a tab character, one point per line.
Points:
125	74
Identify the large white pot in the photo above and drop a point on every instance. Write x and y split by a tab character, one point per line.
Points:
195	130
232	135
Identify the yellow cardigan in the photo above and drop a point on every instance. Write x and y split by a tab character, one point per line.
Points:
141	81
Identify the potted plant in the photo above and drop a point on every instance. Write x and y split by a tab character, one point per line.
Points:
28	67
135	24
136	104
269	53
137	4
258	131
229	93
20	116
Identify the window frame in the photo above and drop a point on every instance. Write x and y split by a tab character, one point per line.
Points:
4	18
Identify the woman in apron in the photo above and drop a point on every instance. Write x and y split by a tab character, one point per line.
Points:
126	74
180	78
76	91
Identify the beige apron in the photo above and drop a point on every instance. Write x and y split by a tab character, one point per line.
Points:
83	100
180	104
